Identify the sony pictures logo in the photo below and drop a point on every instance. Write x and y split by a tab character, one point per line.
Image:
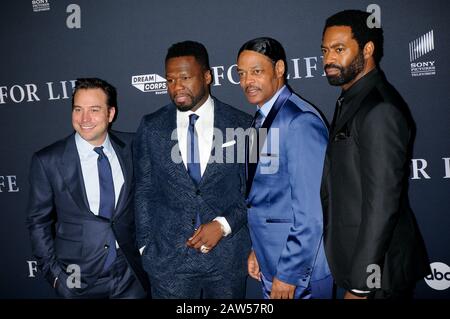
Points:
418	48
40	5
439	278
150	83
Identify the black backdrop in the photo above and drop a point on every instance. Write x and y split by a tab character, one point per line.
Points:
46	44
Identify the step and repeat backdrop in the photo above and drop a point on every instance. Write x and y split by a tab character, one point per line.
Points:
47	44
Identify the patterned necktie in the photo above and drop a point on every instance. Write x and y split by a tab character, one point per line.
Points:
107	200
258	119
193	157
253	146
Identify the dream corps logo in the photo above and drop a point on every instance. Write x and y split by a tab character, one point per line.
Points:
418	48
439	278
149	83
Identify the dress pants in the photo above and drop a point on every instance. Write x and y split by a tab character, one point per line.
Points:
319	289
199	277
118	282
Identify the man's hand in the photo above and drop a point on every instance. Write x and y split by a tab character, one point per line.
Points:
207	234
282	290
253	266
349	295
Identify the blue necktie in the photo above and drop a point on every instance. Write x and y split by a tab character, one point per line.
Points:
258	119
193	157
107	200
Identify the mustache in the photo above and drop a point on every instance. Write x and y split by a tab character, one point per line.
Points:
250	87
333	66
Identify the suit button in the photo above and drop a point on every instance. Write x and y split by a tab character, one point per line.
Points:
193	221
197	192
106	246
249	206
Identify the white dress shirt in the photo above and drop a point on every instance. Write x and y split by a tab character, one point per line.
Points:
205	130
89	168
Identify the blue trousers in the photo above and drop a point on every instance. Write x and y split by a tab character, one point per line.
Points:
319	289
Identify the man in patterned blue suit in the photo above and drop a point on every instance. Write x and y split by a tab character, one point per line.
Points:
283	179
190	207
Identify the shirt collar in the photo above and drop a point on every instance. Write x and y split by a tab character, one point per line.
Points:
204	112
266	107
86	149
364	83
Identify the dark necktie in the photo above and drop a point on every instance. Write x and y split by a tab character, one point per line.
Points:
193	157
339	103
257	123
252	148
338	112
107	200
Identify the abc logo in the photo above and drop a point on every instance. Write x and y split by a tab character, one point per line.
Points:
439	278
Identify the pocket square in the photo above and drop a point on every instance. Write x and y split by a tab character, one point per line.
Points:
341	136
229	143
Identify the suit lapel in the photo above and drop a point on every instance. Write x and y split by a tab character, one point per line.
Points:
70	169
282	98
220	123
347	115
126	163
170	146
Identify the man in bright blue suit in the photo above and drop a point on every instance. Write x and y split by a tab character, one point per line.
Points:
284	165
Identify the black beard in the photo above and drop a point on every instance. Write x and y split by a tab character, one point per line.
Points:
347	74
195	101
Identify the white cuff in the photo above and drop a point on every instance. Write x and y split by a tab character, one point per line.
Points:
360	291
225	226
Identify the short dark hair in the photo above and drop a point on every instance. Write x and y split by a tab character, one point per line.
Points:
269	47
96	83
362	33
189	48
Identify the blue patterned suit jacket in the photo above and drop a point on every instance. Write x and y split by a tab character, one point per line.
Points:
167	200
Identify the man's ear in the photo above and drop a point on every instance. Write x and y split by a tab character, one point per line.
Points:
280	68
368	50
208	77
111	113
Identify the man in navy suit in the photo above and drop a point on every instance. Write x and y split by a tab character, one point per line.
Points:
80	212
190	208
284	169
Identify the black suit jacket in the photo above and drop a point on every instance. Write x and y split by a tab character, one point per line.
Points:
63	230
365	194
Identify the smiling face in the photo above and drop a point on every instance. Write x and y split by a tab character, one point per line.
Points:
91	115
187	82
344	62
259	77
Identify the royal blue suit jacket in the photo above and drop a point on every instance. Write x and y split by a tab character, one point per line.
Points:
285	214
63	230
167	200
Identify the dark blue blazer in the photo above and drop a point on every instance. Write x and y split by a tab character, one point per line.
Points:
167	199
63	230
